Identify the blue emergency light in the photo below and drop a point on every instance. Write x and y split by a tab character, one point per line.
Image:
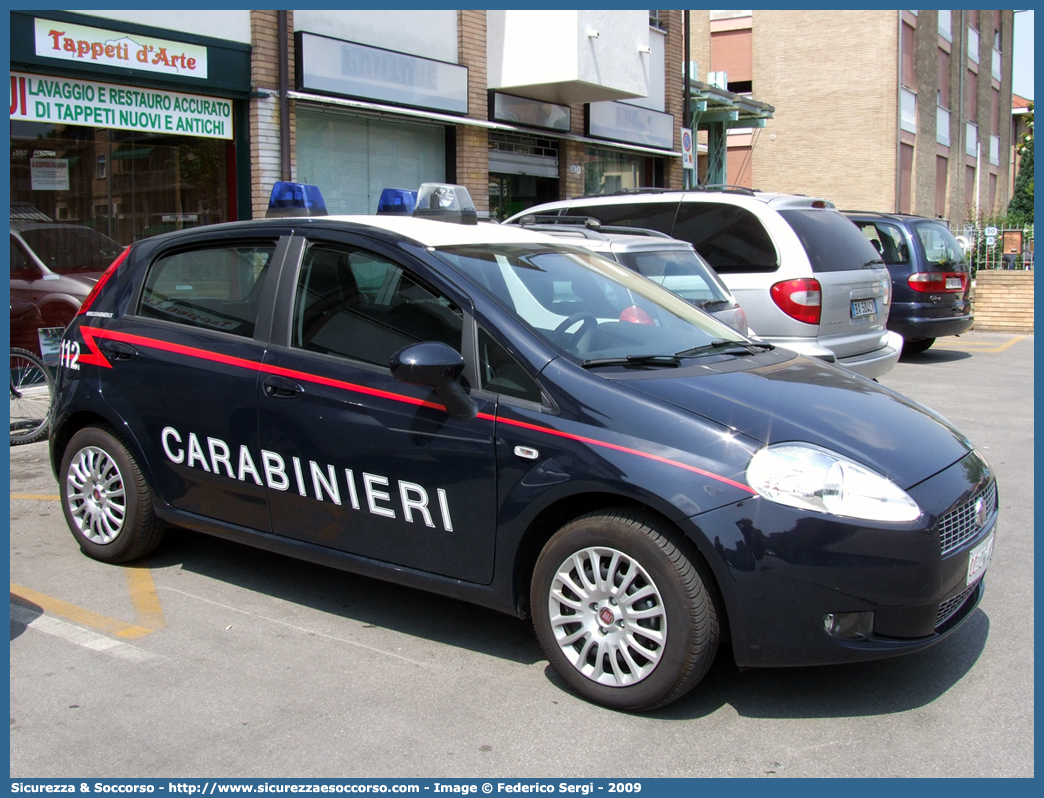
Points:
399	201
295	199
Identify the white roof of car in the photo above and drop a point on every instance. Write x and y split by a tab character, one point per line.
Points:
432	233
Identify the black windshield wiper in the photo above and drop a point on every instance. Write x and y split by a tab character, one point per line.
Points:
744	347
710	303
874	262
670	361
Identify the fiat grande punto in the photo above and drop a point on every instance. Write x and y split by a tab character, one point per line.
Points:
491	414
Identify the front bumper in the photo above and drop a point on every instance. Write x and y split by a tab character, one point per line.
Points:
781	570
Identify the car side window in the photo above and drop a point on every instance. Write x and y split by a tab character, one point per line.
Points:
888	241
730	238
651	215
501	373
359	305
214	288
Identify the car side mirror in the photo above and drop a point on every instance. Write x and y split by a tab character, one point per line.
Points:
439	366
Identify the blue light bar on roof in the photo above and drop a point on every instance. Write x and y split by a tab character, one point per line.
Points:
295	199
397	201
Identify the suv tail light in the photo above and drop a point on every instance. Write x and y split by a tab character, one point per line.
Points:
802	299
938	282
102	280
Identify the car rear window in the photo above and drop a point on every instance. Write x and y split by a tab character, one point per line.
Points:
730	238
212	288
832	242
940	247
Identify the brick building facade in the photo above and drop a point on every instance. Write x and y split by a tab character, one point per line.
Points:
467	143
882	110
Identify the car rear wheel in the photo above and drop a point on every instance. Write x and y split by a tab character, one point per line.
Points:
918	346
623	612
105	499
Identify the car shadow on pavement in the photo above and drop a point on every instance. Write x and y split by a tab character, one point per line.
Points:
880	687
935	356
871	688
29	611
351	596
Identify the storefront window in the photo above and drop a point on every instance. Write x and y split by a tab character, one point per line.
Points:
510	194
609	171
128	185
354	158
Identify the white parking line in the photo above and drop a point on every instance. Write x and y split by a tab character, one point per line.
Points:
78	635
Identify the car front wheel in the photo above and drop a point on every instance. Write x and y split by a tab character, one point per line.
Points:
623	613
105	499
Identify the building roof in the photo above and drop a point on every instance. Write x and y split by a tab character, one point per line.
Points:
1020	102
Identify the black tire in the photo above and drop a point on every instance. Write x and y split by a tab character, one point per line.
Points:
105	499
918	346
32	397
661	646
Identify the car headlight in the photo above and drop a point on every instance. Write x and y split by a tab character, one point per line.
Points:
811	478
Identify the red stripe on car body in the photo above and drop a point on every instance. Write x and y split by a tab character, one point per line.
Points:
89	333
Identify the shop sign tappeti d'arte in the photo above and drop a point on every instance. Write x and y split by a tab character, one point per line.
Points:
86	45
70	101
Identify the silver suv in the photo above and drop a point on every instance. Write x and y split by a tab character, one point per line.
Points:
806	277
666	261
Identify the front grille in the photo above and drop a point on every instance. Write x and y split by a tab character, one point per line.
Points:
950	607
961	524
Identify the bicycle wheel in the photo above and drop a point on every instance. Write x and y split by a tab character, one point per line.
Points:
32	390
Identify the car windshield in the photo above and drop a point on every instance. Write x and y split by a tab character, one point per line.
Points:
71	249
680	271
585	305
940	247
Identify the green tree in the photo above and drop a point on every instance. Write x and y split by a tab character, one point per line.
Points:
1020	210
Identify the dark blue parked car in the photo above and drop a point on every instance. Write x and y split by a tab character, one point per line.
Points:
491	414
931	280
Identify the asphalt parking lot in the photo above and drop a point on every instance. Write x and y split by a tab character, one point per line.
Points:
214	659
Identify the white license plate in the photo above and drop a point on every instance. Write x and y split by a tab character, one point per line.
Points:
953	283
979	559
863	307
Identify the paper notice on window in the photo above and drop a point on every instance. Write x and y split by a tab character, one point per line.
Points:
49	174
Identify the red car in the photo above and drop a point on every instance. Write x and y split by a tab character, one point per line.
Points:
53	268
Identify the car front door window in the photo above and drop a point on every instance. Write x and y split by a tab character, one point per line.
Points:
358	305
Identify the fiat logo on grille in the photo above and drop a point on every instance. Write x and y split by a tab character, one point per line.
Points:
606	616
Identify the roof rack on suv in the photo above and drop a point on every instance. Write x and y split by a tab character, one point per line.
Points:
722	187
587	226
644	190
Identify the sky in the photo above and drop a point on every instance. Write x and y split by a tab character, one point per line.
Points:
1022	55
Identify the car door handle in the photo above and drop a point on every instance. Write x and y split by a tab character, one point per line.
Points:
117	350
281	387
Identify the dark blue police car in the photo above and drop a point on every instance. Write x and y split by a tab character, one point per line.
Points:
491	414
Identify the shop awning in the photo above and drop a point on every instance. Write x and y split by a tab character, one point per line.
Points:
378	109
